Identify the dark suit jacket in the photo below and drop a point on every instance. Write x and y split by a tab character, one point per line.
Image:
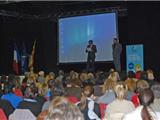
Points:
7	107
91	54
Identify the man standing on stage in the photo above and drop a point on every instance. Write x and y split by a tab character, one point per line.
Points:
117	49
91	50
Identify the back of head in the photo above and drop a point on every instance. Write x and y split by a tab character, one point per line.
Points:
146	97
141	85
88	91
120	91
131	84
61	109
109	84
131	74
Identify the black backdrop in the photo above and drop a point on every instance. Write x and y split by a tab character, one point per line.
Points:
141	25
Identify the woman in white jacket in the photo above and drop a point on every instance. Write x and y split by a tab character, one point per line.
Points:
144	111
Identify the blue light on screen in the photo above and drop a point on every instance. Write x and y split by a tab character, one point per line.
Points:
75	32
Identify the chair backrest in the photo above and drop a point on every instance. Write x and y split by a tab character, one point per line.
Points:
2	115
22	114
6	106
34	107
72	99
102	107
135	100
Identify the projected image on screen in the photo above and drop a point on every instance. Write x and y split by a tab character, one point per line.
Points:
75	32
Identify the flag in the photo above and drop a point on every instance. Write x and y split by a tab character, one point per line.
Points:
23	59
16	59
31	58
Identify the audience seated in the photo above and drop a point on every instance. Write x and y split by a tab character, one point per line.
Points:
95	94
119	107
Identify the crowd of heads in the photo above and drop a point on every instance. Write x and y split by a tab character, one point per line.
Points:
51	86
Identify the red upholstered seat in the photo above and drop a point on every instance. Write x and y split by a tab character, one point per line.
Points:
102	107
2	115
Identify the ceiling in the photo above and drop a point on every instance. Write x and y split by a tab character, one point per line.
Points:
49	8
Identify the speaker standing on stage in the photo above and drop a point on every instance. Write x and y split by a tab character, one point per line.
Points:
91	50
117	49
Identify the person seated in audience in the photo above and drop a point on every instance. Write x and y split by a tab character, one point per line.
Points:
11	97
144	111
156	103
98	89
30	92
131	85
41	77
24	85
141	84
84	78
114	76
60	75
132	75
88	107
31	79
108	92
61	109
120	106
150	77
55	91
17	89
3	84
91	78
74	89
31	100
43	89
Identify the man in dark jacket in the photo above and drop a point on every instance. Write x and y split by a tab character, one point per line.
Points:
91	50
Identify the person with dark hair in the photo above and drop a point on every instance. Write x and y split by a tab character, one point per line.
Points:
117	49
91	50
144	111
88	107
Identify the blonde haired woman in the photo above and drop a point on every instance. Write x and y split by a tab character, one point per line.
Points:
62	109
114	76
108	90
119	106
